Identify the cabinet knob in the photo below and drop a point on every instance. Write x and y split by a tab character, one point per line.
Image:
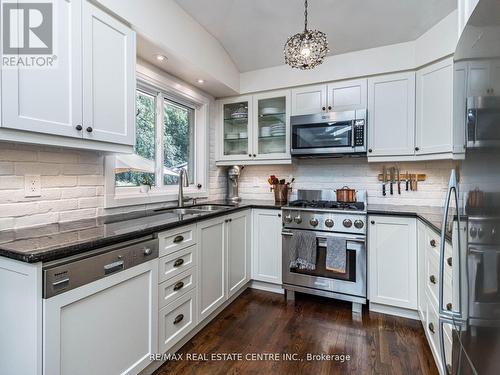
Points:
449	261
417	148
370	150
432	279
431	327
323	108
79	127
89	129
433	243
448	306
279	215
372	222
147	251
329	107
178	318
249	155
254	155
199	186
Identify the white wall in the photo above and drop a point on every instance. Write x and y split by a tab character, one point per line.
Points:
436	43
176	32
353	172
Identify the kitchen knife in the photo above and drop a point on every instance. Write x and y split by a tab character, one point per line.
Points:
398	180
407	180
384	179
391	188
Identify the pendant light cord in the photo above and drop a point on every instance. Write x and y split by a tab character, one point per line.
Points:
305	16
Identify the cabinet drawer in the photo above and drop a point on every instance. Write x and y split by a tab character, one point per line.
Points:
176	239
176	320
176	263
176	286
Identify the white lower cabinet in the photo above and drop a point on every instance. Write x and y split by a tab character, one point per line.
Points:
238	251
176	320
106	327
392	261
266	246
212	280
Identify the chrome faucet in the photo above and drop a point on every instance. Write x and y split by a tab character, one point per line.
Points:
183	182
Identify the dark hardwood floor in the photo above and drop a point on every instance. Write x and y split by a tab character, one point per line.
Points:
262	322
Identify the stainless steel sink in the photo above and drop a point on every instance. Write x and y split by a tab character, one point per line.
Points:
211	207
184	211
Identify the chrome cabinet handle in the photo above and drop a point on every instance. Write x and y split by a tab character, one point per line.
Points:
178	318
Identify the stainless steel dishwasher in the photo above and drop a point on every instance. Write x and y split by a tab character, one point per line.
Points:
100	310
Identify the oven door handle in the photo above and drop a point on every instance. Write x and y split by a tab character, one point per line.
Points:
353	128
324	236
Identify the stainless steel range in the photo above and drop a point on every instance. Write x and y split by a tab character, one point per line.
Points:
317	213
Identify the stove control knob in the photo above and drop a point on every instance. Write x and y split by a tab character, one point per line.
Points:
314	222
473	232
297	219
347	223
493	233
480	232
287	219
329	223
359	224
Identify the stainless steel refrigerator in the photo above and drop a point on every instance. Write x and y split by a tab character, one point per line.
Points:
472	207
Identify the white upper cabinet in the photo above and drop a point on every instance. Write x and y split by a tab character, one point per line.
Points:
254	129
335	96
391	115
434	117
309	99
346	95
109	78
49	100
483	78
89	93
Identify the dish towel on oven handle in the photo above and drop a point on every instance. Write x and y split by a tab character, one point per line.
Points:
336	253
303	251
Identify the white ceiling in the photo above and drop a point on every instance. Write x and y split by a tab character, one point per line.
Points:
253	32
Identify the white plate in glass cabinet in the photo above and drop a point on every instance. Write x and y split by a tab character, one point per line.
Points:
235	129
271	125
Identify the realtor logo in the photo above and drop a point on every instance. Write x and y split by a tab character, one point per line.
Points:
27	30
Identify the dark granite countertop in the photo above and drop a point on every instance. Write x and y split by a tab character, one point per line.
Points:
60	240
430	215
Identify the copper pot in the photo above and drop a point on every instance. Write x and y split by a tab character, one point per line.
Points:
475	199
346	195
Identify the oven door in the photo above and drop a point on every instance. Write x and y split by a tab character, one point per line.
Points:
323	138
352	282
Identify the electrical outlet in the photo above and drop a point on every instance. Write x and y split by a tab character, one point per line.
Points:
32	186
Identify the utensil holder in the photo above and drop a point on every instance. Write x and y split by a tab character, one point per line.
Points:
281	193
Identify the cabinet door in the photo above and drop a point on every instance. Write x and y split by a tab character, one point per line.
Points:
109	55
347	95
435	108
309	100
238	251
49	100
392	261
459	106
235	129
271	120
391	115
112	321
478	82
266	246
212	289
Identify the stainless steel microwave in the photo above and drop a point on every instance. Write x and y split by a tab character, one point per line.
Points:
329	133
483	121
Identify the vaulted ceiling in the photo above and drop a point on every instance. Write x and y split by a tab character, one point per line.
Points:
253	32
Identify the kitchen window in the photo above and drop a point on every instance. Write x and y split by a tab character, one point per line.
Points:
171	133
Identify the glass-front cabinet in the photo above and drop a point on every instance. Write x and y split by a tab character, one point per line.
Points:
255	129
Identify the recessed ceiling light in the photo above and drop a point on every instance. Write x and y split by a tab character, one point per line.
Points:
161	58
201	81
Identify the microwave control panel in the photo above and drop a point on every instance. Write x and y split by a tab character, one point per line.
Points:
359	133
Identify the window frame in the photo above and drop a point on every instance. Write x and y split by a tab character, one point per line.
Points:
165	87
